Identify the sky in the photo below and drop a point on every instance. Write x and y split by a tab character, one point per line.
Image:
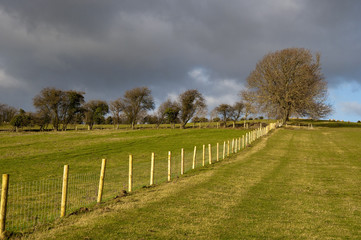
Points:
107	47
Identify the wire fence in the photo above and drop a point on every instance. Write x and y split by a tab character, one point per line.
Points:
30	204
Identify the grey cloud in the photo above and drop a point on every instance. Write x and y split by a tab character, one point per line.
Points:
106	47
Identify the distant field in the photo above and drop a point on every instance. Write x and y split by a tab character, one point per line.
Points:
299	184
8	127
324	123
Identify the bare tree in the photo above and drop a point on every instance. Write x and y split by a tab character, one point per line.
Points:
289	82
61	106
224	111
135	102
236	112
213	115
49	101
191	102
6	113
249	106
116	108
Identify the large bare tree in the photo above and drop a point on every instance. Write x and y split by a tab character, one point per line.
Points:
191	102
289	82
135	102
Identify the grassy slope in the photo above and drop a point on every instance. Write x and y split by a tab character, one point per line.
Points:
30	156
301	184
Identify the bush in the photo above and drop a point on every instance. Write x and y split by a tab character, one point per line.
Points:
216	119
20	120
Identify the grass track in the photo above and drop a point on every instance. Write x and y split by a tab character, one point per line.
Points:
299	184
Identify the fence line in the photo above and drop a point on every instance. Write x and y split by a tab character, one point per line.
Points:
26	205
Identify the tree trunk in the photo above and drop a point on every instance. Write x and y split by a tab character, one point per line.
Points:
234	124
286	117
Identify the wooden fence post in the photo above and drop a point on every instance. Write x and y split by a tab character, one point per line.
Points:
228	149
210	153
3	204
204	155
152	170
130	178
217	152
236	146
101	181
194	157
182	161
232	146
242	141
224	149
64	192
239	144
169	166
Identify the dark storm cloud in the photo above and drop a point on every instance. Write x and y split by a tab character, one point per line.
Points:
107	47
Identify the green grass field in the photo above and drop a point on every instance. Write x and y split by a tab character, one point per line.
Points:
31	156
34	161
297	184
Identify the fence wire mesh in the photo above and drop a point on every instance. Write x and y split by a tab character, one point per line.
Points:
33	203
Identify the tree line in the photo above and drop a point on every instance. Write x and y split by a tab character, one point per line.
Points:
284	83
60	108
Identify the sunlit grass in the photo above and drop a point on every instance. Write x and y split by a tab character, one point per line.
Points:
32	156
300	184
